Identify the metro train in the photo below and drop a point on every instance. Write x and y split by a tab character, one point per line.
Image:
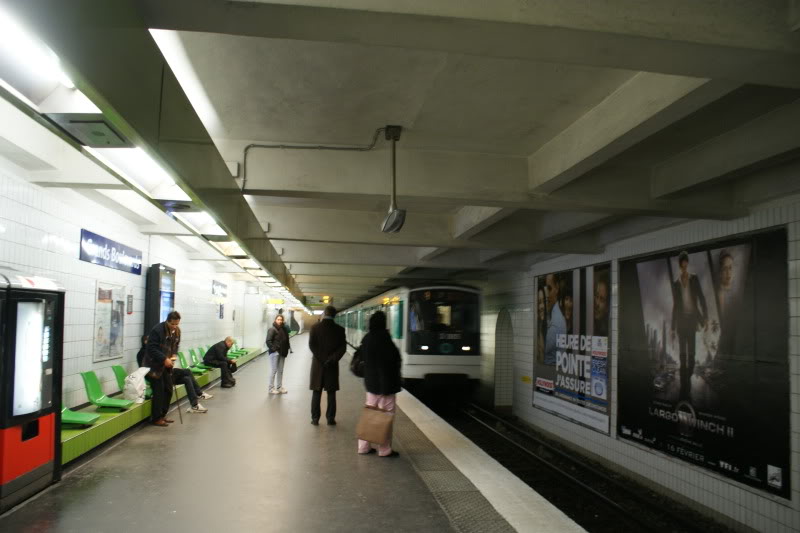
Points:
436	328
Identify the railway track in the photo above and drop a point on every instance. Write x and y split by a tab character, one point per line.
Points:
597	499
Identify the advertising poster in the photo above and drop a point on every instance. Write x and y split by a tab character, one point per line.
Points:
703	357
109	310
572	345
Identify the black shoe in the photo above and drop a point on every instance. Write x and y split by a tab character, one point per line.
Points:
331	422
227	385
315	421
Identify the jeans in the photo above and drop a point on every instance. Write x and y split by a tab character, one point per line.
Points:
276	368
185	377
316	410
225	371
387	403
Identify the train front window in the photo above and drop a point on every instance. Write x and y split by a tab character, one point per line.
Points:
443	322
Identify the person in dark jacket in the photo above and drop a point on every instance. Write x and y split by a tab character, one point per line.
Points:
381	375
162	344
328	345
217	356
278	348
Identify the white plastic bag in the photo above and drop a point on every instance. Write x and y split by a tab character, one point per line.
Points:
135	386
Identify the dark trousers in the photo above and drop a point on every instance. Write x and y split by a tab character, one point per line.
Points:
226	369
162	394
316	399
687	333
182	376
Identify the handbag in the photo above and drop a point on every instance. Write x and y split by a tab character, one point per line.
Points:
375	425
357	364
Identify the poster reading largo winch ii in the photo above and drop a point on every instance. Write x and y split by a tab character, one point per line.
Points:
572	345
703	370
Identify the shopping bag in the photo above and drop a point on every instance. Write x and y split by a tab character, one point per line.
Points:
375	425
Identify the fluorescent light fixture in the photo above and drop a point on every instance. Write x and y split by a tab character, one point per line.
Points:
466	348
246	263
318	312
142	171
29	53
229	248
201	222
423	347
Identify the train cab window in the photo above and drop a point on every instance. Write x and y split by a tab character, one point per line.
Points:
443	322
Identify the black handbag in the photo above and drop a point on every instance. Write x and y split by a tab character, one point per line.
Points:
357	363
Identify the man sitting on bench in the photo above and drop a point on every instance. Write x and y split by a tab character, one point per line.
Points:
217	356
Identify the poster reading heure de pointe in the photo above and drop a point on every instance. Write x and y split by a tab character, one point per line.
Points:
703	370
572	365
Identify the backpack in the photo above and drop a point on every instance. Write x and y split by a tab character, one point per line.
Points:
135	385
357	363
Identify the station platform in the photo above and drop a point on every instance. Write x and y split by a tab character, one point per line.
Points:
255	463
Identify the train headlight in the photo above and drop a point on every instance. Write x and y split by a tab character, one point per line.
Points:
466	348
423	347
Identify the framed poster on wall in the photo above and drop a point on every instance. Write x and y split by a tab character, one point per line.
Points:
571	353
109	323
703	356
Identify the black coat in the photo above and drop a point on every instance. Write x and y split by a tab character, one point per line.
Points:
160	345
216	354
328	344
381	363
278	340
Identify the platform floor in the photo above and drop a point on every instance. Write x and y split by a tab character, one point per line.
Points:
255	463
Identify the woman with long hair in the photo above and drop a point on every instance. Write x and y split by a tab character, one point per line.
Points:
381	376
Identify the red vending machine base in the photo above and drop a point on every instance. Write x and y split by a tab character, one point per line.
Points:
26	460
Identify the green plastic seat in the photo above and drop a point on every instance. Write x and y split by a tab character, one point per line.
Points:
94	391
196	362
194	369
120	374
235	351
74	418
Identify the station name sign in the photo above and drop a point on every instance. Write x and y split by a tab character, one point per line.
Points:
98	250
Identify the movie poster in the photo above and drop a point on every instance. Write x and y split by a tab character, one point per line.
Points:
572	345
703	357
109	312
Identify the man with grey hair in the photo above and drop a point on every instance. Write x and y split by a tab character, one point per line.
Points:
217	356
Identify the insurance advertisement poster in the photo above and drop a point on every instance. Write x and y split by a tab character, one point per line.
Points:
571	363
703	370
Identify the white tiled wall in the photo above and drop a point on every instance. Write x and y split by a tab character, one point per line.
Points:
740	506
40	235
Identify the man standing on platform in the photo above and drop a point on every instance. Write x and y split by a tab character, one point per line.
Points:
328	344
162	344
217	356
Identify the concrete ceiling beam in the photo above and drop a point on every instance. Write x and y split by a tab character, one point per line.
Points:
641	106
147	105
727	155
721	40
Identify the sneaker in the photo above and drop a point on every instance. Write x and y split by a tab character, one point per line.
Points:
275	391
282	390
206	396
197	409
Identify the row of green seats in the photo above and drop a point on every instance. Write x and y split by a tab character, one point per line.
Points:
94	391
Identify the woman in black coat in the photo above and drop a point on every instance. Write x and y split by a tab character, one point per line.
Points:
381	375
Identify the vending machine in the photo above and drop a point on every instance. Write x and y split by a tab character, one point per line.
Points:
31	340
159	297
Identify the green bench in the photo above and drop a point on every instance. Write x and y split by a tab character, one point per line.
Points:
194	368
94	391
73	418
197	361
